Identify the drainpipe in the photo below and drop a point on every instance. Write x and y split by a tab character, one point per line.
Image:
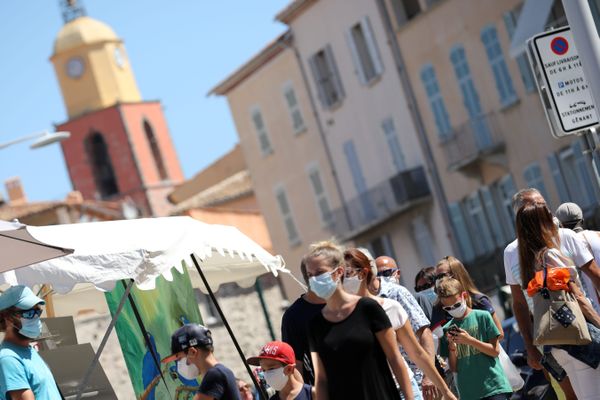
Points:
411	100
288	43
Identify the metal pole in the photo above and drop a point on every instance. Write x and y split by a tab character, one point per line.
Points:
113	322
263	305
259	388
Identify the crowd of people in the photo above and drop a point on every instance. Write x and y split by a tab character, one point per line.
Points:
357	333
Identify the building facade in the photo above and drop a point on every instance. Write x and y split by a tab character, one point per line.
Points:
329	140
484	119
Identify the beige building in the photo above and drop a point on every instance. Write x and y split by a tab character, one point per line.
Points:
483	117
330	142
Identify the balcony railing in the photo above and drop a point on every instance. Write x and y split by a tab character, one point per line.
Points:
392	196
471	141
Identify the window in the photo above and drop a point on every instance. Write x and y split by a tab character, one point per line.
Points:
389	130
327	78
261	132
436	102
510	22
424	241
461	231
359	181
559	182
405	10
534	178
480	229
470	97
489	37
101	164
505	189
155	148
320	195
286	213
575	173
491	210
364	51
293	108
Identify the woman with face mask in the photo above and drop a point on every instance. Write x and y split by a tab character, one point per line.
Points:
351	340
23	373
357	279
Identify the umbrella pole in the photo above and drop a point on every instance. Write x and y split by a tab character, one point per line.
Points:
96	359
259	388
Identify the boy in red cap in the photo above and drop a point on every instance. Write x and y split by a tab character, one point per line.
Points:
278	362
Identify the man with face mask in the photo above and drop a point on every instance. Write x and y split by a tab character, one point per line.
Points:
23	373
192	348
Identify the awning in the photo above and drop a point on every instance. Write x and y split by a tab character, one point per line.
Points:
532	20
142	250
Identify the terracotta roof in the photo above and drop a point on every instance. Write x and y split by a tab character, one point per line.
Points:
9	212
231	188
108	209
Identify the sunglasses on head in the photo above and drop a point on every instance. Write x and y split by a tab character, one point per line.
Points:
387	272
30	314
443	275
452	307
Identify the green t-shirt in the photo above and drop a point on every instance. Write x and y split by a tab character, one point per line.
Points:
478	375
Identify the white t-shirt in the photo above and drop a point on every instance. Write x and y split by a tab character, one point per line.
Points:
398	317
592	239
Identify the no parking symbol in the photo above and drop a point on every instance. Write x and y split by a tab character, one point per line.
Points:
559	45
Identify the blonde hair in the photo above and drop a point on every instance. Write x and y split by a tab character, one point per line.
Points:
328	250
448	287
459	272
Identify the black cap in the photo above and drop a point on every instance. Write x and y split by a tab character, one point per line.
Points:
189	335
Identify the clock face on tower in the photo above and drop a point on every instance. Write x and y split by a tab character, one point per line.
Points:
75	67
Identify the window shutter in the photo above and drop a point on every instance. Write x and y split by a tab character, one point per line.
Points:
424	241
334	71
359	181
355	57
461	230
286	213
394	144
261	132
509	23
587	191
317	78
372	45
492	214
559	181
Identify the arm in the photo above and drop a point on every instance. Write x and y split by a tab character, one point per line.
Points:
499	326
586	308
452	357
426	341
409	342
320	377
387	341
491	348
25	394
521	311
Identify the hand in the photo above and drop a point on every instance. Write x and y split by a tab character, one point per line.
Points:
461	336
451	344
534	357
448	395
430	392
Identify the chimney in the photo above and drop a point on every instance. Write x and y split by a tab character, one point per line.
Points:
74	197
16	194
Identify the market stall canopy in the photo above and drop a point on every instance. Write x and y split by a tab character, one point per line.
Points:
142	250
18	248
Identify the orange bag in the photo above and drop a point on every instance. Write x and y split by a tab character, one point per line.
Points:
558	279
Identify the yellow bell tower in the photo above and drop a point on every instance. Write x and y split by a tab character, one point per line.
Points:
92	67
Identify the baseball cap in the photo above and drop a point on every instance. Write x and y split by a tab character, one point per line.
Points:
569	212
278	351
19	296
189	335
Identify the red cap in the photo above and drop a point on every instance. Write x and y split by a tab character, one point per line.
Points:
278	351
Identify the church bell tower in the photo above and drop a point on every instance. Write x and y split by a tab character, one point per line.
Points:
120	146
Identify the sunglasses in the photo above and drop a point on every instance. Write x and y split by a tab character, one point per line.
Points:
443	275
387	272
452	307
30	314
422	287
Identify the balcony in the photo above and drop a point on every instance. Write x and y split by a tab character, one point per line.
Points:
391	197
476	140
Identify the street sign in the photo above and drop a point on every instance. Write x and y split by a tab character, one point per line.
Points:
569	104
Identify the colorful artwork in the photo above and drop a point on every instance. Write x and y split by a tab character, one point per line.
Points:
162	310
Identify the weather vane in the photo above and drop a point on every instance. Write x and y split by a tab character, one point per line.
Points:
71	9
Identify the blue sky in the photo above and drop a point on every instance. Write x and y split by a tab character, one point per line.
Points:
179	50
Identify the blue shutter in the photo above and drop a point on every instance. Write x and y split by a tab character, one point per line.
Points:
534	178
489	37
359	181
461	230
522	61
559	181
492	215
394	144
586	190
436	102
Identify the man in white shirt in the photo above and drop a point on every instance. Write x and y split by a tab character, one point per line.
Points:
572	246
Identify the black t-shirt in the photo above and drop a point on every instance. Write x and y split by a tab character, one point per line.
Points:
353	359
294	331
219	382
304	394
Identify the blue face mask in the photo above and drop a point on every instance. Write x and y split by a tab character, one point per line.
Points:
323	285
31	328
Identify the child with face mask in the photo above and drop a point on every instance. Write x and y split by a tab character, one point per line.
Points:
23	373
471	344
192	349
278	361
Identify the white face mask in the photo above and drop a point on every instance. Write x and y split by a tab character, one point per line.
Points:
276	378
460	311
187	371
352	284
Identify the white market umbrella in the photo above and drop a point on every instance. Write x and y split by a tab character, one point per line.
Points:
18	248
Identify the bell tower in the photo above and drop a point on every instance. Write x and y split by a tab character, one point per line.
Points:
120	146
